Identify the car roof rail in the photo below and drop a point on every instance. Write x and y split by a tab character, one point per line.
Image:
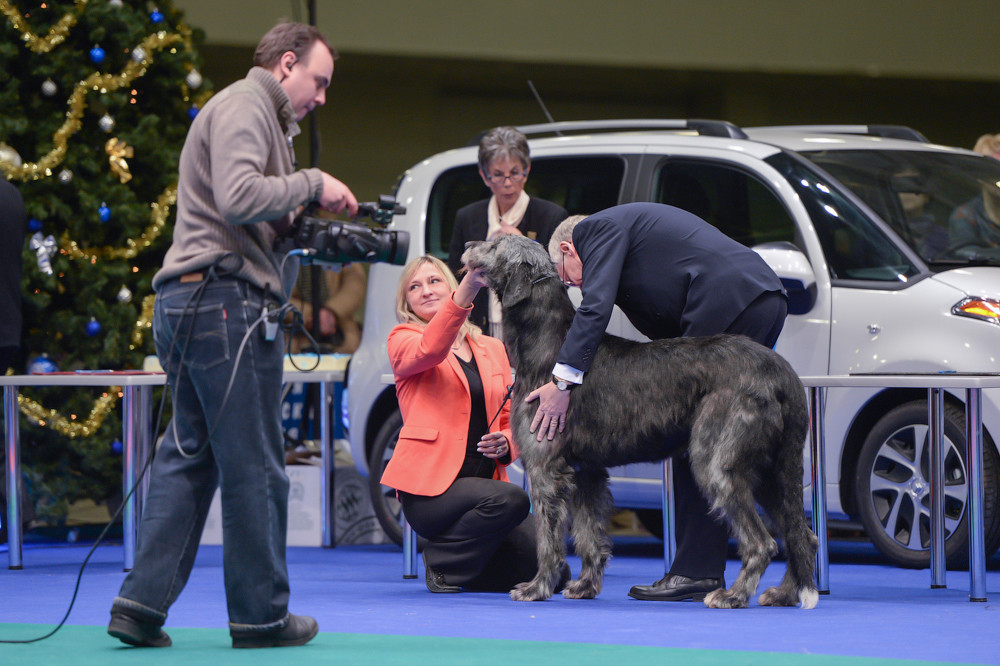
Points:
719	128
884	131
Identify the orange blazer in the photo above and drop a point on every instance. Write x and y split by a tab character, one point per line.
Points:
435	401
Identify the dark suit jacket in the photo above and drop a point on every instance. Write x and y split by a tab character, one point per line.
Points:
540	219
670	272
12	223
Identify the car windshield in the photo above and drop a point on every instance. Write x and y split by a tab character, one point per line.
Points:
946	206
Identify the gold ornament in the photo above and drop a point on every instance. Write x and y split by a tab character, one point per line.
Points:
117	152
145	321
57	33
9	155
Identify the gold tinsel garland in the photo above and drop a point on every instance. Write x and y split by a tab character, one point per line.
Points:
161	209
57	33
69	427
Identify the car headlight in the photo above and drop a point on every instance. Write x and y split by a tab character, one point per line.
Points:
984	309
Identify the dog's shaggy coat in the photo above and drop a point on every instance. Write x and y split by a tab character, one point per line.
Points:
737	407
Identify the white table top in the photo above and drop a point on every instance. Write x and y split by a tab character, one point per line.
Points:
942	380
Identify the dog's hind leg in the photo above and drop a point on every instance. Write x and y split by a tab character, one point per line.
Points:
782	500
725	441
551	484
591	505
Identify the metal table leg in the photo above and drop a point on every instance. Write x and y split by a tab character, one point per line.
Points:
11	416
974	469
817	441
409	550
669	542
130	522
935	419
327	464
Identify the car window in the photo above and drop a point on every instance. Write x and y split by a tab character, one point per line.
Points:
733	201
853	244
581	185
945	206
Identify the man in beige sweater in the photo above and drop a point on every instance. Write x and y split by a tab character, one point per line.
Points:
237	190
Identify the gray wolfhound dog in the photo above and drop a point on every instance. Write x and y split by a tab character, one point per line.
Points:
737	407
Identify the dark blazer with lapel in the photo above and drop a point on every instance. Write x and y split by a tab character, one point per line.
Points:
669	271
540	219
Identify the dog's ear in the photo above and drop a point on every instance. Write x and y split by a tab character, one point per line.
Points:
516	290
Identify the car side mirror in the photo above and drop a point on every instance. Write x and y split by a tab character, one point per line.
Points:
793	269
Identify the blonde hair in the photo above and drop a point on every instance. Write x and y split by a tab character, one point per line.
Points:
988	144
405	314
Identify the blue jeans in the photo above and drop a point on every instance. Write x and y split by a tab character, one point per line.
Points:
245	457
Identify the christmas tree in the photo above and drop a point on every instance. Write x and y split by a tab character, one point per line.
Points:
97	97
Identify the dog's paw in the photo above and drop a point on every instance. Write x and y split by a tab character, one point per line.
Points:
777	596
724	599
578	589
529	592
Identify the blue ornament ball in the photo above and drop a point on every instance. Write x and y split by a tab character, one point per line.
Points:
93	327
192	112
156	16
116	447
104	213
97	55
40	365
34	225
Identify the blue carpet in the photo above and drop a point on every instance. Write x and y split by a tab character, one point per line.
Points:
874	611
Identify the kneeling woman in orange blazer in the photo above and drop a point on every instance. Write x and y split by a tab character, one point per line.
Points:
448	465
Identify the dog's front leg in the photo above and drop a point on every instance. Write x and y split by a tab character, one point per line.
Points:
551	483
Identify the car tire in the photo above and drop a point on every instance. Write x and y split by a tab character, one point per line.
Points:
893	487
387	508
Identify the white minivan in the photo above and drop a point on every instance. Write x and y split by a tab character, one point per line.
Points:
888	245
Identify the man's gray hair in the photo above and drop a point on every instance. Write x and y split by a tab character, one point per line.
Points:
503	142
564	232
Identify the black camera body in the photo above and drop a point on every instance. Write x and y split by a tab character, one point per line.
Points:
333	242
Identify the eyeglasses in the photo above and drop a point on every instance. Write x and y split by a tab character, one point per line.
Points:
515	177
561	271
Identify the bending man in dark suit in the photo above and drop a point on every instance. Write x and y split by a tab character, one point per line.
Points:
673	275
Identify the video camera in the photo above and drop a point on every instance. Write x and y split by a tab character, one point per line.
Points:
322	241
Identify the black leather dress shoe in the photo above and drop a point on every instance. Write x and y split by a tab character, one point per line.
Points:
436	584
673	587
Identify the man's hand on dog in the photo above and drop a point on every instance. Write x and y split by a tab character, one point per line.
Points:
551	414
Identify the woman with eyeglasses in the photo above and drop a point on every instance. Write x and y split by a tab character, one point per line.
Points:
504	163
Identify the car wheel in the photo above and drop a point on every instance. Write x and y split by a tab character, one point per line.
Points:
387	508
894	494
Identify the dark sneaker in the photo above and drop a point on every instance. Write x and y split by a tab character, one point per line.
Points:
300	630
135	632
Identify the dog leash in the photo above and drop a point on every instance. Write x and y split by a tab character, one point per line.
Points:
510	387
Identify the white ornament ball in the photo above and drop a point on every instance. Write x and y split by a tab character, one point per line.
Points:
194	79
9	155
65	176
106	123
117	4
124	295
49	88
138	54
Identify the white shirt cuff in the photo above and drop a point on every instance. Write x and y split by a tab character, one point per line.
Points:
568	372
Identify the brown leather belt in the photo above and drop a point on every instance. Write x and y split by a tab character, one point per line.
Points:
192	277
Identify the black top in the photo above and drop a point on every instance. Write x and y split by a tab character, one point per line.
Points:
12	225
476	464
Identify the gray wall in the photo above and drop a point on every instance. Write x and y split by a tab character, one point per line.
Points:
415	78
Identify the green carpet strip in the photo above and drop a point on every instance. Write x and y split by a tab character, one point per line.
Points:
85	646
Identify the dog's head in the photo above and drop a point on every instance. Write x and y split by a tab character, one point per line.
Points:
511	264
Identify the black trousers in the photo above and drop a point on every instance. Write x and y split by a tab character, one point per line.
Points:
480	534
703	539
